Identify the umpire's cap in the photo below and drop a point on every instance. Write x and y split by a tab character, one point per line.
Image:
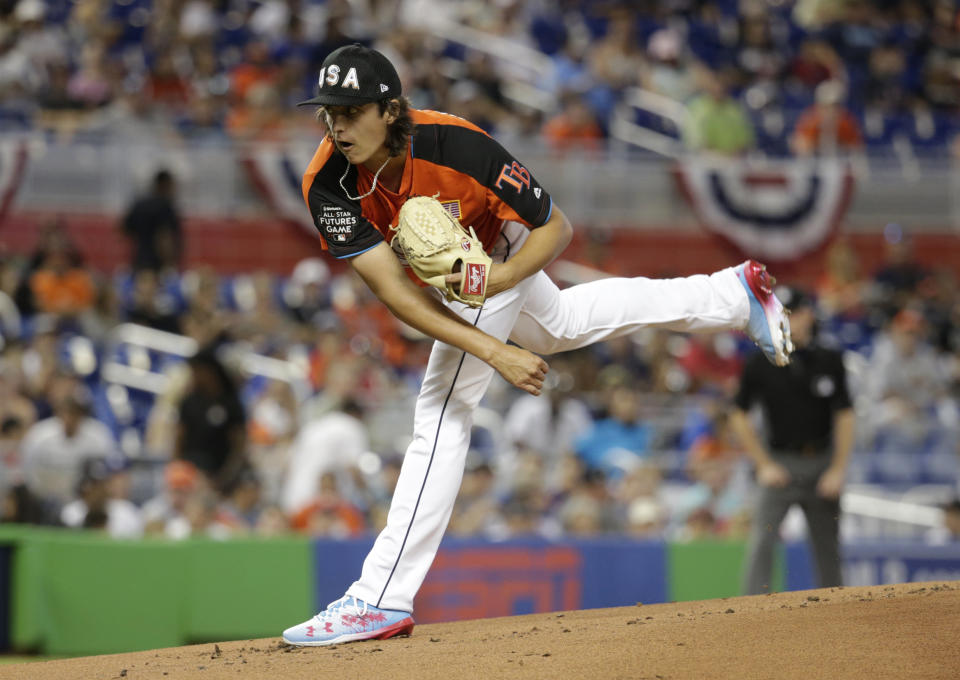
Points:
355	75
794	298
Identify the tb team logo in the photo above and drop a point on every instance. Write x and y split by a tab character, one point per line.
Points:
515	175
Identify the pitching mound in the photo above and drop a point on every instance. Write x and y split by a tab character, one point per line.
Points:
903	631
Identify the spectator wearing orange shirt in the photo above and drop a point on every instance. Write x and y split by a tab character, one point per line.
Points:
329	513
574	127
841	288
59	286
259	116
257	68
827	128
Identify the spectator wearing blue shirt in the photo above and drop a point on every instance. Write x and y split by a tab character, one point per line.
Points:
619	441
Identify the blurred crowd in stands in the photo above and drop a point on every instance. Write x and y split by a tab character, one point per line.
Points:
778	76
288	410
631	435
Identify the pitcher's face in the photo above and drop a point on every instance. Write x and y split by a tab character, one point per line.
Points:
360	131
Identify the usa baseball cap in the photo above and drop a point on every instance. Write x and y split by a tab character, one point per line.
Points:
355	75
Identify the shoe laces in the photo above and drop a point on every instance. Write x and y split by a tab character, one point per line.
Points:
344	602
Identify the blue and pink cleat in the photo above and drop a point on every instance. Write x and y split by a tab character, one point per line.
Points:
768	327
348	620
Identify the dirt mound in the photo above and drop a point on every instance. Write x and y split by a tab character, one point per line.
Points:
903	631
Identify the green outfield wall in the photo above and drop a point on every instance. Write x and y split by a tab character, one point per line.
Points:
703	570
77	593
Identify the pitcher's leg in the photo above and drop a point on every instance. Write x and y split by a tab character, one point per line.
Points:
432	468
428	484
554	320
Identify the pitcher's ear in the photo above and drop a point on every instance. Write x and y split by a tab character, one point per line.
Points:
392	111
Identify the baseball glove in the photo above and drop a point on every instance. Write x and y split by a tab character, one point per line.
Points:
435	245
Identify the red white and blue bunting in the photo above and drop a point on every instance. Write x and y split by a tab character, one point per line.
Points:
14	155
277	173
770	210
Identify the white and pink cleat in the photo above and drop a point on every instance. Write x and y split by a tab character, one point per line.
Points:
347	620
768	327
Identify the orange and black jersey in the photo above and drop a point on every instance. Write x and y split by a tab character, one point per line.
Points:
474	177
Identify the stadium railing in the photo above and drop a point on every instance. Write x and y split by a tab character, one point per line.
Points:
617	187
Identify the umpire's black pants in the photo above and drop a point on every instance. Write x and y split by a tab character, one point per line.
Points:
823	523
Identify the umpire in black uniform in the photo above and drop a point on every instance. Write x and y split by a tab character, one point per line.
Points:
810	432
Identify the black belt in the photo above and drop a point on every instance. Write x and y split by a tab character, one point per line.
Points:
805	451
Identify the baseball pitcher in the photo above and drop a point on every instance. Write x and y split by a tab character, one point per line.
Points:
452	233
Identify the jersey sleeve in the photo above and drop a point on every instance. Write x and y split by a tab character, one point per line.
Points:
513	191
343	229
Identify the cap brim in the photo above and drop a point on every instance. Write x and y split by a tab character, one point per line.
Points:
336	100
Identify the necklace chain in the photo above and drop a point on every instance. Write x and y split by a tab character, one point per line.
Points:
372	186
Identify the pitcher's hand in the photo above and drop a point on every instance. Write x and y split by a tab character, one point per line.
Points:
500	279
520	368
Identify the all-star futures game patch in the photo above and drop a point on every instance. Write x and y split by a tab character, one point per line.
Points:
337	224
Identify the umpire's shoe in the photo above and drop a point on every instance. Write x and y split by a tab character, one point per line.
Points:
768	325
349	619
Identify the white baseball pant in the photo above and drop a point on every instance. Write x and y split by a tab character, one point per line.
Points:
539	316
